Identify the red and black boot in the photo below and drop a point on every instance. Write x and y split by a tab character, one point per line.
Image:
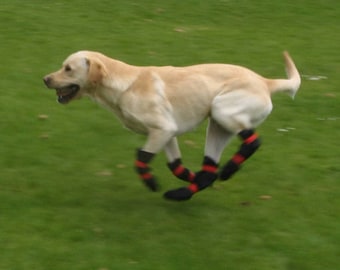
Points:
180	171
144	171
203	179
250	144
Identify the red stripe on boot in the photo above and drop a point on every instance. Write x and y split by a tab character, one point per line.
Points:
251	139
238	159
177	171
146	176
193	188
191	176
209	168
141	164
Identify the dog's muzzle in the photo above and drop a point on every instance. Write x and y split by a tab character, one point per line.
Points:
65	93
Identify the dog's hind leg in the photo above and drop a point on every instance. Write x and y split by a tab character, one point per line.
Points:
216	140
233	113
175	162
241	112
250	144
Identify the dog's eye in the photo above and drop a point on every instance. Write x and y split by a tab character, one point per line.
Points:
68	68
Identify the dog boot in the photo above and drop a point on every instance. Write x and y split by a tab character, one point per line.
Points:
144	171
251	143
180	171
203	179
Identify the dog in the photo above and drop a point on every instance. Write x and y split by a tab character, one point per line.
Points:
164	102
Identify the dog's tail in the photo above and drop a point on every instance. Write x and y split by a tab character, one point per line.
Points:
290	85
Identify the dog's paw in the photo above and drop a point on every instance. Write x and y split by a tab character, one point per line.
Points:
205	179
180	194
152	184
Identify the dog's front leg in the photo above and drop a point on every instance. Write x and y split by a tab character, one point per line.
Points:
175	162
143	169
202	180
216	140
157	139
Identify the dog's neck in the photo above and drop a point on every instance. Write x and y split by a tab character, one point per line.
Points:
118	78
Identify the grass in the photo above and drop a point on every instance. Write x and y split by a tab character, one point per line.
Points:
69	196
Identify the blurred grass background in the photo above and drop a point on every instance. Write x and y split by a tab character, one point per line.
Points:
69	196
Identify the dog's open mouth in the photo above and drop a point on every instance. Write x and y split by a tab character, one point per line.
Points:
67	93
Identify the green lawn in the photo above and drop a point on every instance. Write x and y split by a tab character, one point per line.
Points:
69	196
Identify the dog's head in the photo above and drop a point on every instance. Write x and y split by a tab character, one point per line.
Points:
80	74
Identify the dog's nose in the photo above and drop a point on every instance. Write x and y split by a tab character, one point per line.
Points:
47	80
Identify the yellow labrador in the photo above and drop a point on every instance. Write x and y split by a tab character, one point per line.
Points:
163	102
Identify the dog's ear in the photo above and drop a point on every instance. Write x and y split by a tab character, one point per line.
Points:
96	71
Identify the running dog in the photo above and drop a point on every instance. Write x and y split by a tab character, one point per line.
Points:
164	102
